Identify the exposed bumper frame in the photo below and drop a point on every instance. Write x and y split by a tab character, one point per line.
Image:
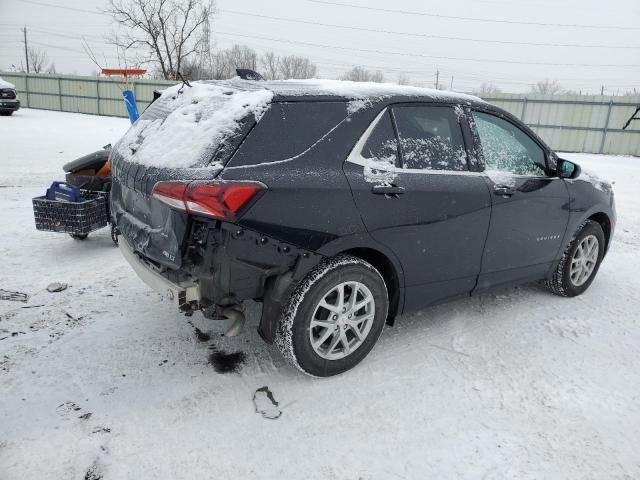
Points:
178	294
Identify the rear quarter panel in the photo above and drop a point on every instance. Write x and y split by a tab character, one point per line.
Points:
308	201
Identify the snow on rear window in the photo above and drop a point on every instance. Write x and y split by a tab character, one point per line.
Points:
185	126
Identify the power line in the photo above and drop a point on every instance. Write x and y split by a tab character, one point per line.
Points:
421	55
427	35
62	7
40	31
345	65
475	19
91	38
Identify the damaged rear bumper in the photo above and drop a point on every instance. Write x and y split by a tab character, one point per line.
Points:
224	265
177	293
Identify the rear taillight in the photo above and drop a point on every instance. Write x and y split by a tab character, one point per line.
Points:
223	200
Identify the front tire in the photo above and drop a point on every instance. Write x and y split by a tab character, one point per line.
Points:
580	261
334	317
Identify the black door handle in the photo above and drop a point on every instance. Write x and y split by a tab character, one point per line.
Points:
503	190
387	190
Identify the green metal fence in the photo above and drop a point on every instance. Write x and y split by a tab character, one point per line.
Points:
571	123
93	95
578	123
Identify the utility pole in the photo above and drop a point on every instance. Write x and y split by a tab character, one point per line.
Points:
26	48
206	63
602	91
437	78
451	87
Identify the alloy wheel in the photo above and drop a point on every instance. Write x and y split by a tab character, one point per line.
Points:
342	320
584	260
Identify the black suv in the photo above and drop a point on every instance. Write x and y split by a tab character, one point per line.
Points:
340	206
9	102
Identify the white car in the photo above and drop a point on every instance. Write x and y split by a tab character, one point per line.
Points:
9	102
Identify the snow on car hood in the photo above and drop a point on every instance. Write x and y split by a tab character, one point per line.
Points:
5	84
185	126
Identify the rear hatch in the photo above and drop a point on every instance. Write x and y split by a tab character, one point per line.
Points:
187	134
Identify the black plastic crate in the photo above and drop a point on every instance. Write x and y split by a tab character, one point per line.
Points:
77	218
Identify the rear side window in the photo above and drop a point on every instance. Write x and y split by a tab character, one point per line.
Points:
382	145
287	130
430	138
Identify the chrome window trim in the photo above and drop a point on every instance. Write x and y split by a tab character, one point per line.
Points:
356	158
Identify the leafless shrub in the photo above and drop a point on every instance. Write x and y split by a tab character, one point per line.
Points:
360	74
547	87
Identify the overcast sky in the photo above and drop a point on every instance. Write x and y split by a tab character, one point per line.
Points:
591	42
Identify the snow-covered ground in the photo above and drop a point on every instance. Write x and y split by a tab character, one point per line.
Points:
105	380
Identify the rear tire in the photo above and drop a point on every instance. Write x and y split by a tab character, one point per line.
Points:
580	261
6	114
79	236
334	317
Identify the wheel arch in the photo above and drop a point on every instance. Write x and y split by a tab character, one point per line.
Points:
389	273
364	246
605	223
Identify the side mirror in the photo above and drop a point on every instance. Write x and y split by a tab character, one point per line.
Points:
567	169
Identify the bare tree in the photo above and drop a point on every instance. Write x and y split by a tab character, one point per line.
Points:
192	68
403	79
219	66
270	63
165	30
377	77
225	62
360	74
487	89
292	66
547	87
38	60
241	56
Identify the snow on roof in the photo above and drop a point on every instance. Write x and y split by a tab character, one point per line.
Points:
345	89
5	84
361	90
185	126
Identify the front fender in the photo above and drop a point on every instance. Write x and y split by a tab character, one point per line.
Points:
589	200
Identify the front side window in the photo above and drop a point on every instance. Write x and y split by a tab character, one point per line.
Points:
507	148
430	138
